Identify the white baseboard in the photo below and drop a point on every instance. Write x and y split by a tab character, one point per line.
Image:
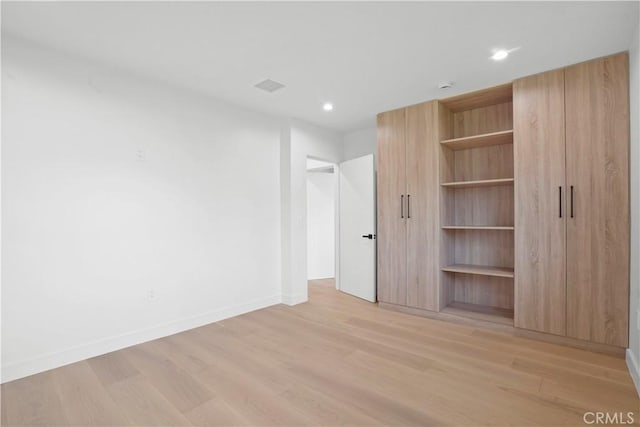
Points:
294	299
16	370
634	369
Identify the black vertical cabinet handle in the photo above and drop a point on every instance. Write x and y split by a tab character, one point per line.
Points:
560	200
572	201
408	205
402	206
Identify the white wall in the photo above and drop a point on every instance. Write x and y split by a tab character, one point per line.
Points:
633	354
321	229
130	210
360	143
299	141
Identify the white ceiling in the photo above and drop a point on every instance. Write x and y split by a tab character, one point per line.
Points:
365	57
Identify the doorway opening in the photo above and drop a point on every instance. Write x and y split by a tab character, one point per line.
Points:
321	223
341	233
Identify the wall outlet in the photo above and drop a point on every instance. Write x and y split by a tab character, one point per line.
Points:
140	155
151	295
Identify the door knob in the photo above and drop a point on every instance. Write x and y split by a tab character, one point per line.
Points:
369	236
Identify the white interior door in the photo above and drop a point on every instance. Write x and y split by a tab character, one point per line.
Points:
357	228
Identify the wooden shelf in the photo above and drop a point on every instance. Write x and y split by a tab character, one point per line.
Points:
478	141
478	227
482	183
482	270
480	312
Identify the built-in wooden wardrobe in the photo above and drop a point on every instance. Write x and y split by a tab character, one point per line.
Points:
510	205
572	206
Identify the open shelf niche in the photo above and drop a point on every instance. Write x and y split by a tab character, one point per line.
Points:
481	270
476	217
479	141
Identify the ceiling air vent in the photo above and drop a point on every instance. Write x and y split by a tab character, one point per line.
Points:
269	85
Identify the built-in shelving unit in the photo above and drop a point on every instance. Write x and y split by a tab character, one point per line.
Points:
479	141
476	181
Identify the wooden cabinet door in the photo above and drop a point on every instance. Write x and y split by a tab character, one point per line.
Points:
391	189
423	190
597	129
540	208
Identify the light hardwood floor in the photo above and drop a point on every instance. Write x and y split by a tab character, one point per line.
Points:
335	360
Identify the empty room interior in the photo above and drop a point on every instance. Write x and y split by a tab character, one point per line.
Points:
320	213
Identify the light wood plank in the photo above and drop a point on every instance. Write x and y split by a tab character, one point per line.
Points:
478	183
479	269
183	389
539	149
251	397
143	404
33	401
478	227
597	121
326	408
85	401
216	412
582	355
112	368
479	141
391	206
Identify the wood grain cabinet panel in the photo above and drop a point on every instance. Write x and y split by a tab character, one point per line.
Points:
597	131
540	209
391	193
423	266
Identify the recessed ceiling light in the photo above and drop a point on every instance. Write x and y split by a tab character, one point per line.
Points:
499	55
327	106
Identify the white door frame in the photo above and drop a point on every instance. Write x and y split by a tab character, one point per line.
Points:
336	216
